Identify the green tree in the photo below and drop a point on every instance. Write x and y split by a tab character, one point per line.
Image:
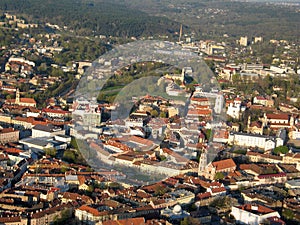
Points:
219	176
64	169
51	151
190	221
163	114
115	186
160	190
69	156
43	67
288	214
90	188
281	150
178	82
56	72
74	143
154	113
64	217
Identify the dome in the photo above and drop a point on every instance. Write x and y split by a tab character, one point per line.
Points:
177	209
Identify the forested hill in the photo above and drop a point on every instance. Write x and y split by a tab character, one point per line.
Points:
214	18
92	17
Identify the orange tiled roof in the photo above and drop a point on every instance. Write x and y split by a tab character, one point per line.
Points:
281	116
7	130
199	99
224	164
130	221
199	112
204	195
218	190
8	220
22	100
90	210
28	100
258	209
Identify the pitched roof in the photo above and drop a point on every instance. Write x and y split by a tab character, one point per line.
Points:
90	210
204	195
281	116
22	100
224	164
268	176
8	220
275	221
253	167
130	221
218	190
28	100
256	209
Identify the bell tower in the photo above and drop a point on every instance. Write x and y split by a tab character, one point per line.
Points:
17	97
202	163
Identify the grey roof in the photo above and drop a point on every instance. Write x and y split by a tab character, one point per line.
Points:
46	128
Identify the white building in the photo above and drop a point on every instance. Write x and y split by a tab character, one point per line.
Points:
254	140
87	215
46	131
139	122
41	144
252	214
234	110
86	113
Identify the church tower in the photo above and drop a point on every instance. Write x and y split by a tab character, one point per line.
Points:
202	163
17	97
248	124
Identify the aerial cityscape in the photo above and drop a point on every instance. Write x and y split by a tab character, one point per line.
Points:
149	113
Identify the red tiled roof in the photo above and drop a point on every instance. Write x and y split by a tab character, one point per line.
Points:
276	221
8	220
216	184
234	174
218	190
280	116
224	164
12	150
28	100
199	99
256	209
7	130
260	98
256	124
81	179
90	210
204	195
4	157
253	167
296	156
22	100
130	221
199	112
266	176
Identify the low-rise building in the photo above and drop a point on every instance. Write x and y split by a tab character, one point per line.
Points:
9	135
89	215
223	166
252	214
46	131
254	140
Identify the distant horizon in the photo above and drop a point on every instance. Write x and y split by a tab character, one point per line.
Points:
266	1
